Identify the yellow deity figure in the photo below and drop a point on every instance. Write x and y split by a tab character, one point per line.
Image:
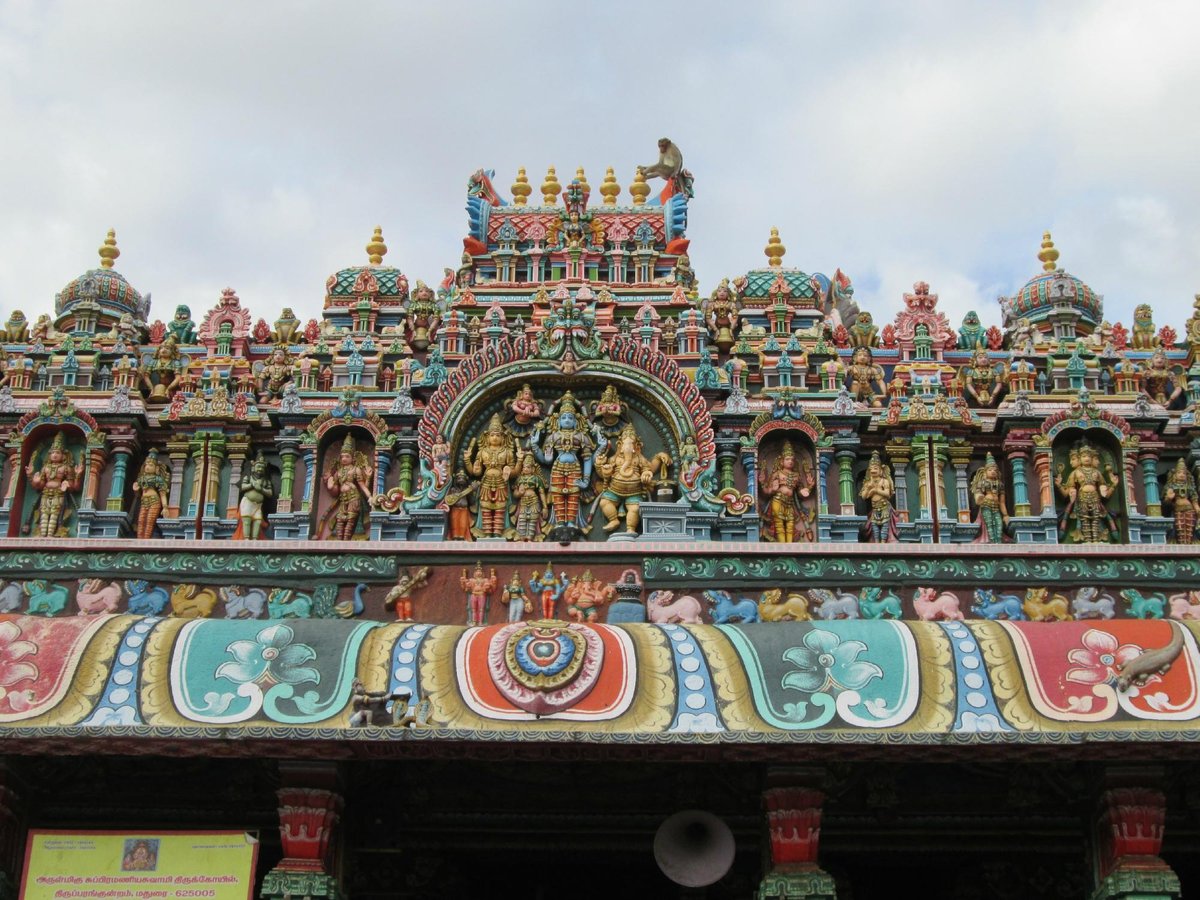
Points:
626	476
981	381
55	481
866	378
276	372
1159	381
1087	488
1182	496
162	374
878	490
349	482
493	462
789	485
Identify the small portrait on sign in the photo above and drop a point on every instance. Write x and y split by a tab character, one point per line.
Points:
141	855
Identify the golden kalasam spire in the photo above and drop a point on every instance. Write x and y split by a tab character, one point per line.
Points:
1048	254
521	188
609	188
639	190
582	179
550	188
376	249
775	250
108	250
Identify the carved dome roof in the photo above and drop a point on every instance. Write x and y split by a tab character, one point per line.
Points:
373	278
104	286
1055	287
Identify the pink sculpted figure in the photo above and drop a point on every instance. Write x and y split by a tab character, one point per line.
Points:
477	588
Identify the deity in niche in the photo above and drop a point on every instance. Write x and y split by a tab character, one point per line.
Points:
530	493
568	451
1181	495
626	476
55	481
256	489
349	482
1087	486
789	483
987	490
492	460
150	488
878	489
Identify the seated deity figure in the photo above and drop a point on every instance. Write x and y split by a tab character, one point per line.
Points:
866	379
1159	380
1087	487
788	485
981	381
55	480
626	476
1181	495
276	373
349	482
162	374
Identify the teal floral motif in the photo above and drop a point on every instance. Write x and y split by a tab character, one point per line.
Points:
826	661
273	655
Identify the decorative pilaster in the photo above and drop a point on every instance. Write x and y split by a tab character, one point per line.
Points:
824	464
794	828
750	465
310	805
289	449
727	453
239	449
383	460
1129	454
12	452
116	491
1042	453
899	452
1021	504
845	461
310	477
97	455
1149	462
178	451
960	457
1127	840
408	457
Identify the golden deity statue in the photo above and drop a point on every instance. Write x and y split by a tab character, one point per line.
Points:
789	485
349	482
492	461
1087	488
626	476
56	479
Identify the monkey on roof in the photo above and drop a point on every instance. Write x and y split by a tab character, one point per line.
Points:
670	168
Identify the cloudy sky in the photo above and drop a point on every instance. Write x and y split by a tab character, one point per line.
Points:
256	144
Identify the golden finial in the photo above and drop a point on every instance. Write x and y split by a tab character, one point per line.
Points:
775	250
550	188
639	189
609	188
582	179
109	252
1048	253
521	188
377	248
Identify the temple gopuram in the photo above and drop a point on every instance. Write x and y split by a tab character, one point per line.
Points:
564	573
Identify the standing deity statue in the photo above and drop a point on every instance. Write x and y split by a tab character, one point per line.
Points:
987	490
349	482
399	597
568	451
56	479
150	488
878	489
515	598
788	486
866	379
1181	495
1087	488
531	495
549	588
721	314
460	500
626	477
477	587
256	489
492	461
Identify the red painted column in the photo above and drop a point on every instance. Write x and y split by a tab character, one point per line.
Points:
1128	833
310	806
793	805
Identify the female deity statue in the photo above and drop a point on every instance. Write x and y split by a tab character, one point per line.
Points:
866	379
514	597
788	487
492	462
609	411
56	480
460	500
1182	496
568	451
530	493
1087	488
256	488
987	490
151	490
1160	381
627	476
349	481
525	408
878	490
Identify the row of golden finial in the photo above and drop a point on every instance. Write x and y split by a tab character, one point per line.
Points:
775	250
551	188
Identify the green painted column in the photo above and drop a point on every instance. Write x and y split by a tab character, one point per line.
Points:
116	491
1021	505
845	461
1150	484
